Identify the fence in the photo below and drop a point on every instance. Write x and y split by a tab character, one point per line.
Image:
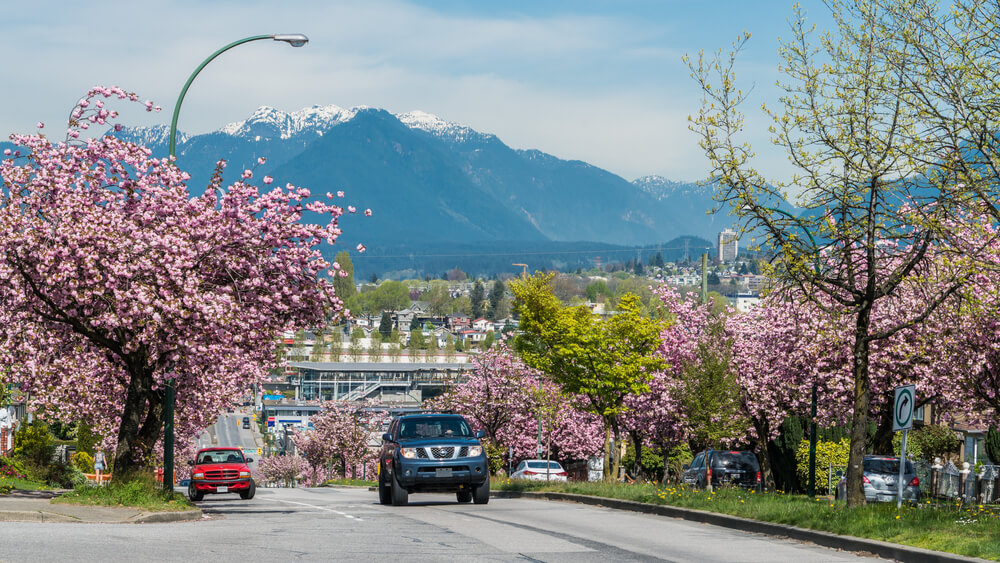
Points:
944	481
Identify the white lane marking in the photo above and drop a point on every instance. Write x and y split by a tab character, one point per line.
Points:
344	514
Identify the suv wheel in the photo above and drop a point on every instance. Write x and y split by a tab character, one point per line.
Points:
481	494
397	493
384	491
464	496
249	493
194	494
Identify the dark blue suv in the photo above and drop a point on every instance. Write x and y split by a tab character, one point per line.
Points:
433	453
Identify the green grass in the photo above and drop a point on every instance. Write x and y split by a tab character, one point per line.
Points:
140	492
351	482
16	483
972	530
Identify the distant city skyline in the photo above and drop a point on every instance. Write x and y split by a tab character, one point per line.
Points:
587	80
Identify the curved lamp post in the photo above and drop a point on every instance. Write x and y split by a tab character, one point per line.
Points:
295	40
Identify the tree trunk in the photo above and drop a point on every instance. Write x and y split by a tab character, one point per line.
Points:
616	463
637	444
607	452
666	465
859	422
763	433
882	441
142	419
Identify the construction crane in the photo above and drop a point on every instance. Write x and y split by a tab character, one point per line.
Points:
525	266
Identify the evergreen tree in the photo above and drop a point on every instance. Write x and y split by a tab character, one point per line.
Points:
478	299
385	324
496	298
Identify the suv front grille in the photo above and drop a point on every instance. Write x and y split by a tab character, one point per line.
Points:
443	452
222	474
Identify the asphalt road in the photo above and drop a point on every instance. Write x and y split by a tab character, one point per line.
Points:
228	431
350	525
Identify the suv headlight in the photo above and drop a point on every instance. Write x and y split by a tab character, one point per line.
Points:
408	453
475	451
244	473
197	475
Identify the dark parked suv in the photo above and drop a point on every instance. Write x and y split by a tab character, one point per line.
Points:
723	467
432	453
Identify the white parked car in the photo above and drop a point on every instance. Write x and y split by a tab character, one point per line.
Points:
539	470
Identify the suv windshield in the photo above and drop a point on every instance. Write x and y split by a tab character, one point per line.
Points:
743	461
220	456
451	427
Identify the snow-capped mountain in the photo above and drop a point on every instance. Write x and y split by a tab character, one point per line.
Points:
151	136
268	123
424	175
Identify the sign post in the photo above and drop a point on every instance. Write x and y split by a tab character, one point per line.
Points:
902	420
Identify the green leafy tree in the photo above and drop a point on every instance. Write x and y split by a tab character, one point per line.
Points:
375	347
344	286
449	348
602	360
432	348
710	394
597	290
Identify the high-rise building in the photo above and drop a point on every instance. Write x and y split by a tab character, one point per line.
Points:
729	246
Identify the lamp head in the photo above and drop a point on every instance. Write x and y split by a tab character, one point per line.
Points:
293	39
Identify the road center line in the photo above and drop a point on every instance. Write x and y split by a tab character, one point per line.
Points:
344	514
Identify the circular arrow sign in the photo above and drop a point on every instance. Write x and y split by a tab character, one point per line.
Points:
902	408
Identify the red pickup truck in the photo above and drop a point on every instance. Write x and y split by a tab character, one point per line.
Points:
220	470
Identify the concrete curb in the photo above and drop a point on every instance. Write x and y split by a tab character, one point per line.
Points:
160	517
34	516
826	539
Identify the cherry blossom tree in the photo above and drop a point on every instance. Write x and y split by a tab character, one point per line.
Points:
282	469
115	278
501	398
341	434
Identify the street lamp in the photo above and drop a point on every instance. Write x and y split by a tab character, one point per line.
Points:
811	488
295	40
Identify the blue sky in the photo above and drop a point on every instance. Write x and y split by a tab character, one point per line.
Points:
596	81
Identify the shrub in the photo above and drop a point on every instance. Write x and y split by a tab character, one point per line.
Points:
827	453
83	462
927	442
34	443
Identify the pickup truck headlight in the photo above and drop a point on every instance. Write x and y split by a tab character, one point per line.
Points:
475	451
408	453
197	475
244	473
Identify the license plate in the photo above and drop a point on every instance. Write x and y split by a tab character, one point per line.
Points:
736	476
443	472
222	489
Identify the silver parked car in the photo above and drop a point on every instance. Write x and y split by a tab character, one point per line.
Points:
881	474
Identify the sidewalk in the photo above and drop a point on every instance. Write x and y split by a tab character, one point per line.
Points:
34	506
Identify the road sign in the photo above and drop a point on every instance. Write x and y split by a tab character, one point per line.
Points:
902	408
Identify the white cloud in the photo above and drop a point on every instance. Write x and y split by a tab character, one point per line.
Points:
607	89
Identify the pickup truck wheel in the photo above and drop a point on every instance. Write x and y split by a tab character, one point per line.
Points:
481	494
464	496
248	494
194	494
384	491
397	493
